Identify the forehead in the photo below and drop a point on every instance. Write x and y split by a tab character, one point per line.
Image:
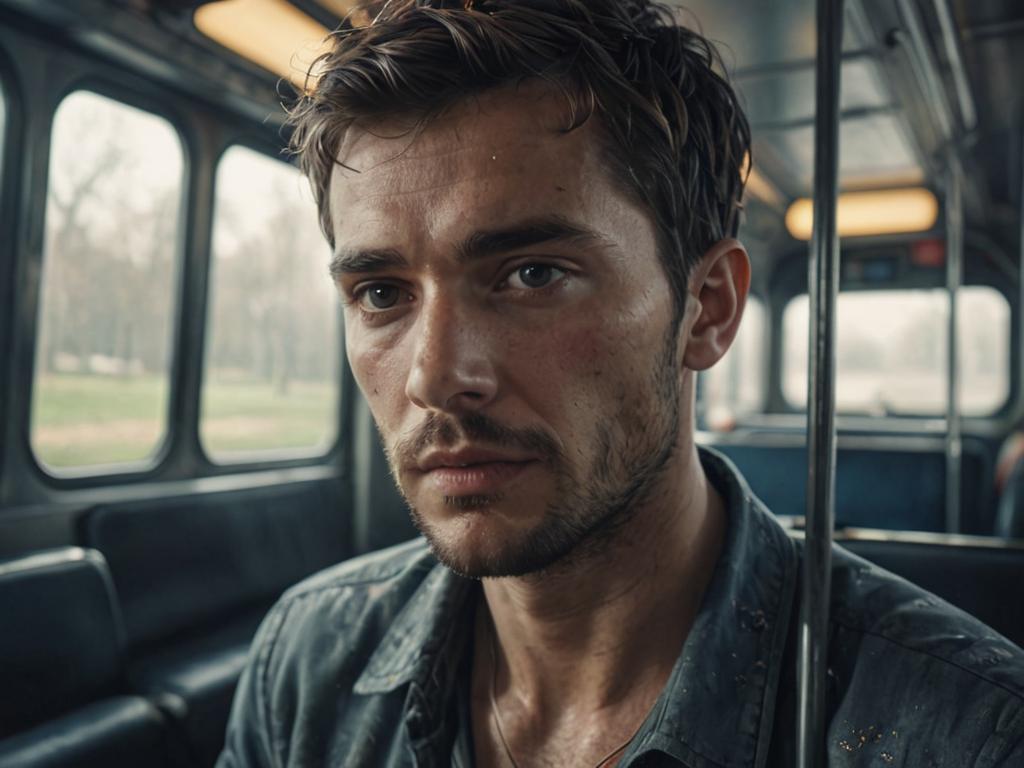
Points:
500	156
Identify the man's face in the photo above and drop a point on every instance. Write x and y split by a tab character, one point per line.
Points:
511	327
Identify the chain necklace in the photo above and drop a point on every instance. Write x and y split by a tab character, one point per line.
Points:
497	717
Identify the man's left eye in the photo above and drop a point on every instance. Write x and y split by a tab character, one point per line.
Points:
536	275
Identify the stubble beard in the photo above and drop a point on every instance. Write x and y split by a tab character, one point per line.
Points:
591	511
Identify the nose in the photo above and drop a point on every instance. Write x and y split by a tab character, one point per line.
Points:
452	368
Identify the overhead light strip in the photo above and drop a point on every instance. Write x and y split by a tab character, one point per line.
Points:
272	34
876	212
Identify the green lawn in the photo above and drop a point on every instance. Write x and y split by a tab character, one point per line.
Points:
82	420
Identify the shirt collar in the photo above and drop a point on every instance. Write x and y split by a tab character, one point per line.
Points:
428	624
719	703
718	707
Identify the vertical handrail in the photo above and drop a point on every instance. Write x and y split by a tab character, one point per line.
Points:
924	68
954	277
823	288
968	113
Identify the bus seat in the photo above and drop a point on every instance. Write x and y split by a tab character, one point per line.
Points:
908	486
61	667
1010	515
195	576
973	578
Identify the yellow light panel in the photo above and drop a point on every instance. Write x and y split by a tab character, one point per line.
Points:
347	9
273	34
878	212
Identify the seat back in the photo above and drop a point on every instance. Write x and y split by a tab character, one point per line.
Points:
61	635
1010	515
181	563
877	486
985	581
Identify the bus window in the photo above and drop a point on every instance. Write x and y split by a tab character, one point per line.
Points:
734	387
891	352
270	377
100	393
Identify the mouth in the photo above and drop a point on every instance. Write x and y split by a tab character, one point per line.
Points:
475	472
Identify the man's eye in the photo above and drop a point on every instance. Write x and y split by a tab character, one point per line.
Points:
536	275
380	296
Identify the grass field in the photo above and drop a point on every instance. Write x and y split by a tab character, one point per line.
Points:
82	420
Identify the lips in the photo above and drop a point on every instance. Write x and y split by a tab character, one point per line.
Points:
472	471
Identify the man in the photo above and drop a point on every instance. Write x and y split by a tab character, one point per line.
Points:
532	207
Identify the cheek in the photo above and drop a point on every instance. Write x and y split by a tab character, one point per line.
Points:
377	368
574	373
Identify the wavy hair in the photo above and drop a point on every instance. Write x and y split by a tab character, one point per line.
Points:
675	135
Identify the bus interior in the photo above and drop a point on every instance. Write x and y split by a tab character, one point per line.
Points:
181	439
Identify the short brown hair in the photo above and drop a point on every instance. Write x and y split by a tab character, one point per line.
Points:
675	134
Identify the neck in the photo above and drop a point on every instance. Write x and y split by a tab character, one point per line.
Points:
608	628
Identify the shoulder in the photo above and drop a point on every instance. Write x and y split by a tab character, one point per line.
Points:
343	595
385	565
336	618
309	651
908	667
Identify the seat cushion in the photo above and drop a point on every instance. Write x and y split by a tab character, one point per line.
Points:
60	639
118	731
193	681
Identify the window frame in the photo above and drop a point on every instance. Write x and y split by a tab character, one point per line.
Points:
940	413
150	467
789	279
11	144
271	457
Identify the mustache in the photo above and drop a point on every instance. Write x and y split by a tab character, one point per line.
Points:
445	431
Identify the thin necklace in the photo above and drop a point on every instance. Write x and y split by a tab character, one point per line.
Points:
497	717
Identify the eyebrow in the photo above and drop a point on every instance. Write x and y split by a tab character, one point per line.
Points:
479	245
540	231
365	261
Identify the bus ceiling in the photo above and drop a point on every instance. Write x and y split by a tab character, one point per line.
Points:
918	77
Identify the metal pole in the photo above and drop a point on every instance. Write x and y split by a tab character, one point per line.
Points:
924	67
968	113
823	288
954	276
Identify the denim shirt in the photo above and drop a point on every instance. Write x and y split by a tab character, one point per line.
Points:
358	666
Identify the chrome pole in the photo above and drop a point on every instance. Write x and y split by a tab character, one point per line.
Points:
954	277
924	67
951	43
823	288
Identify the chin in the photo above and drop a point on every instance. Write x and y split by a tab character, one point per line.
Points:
476	539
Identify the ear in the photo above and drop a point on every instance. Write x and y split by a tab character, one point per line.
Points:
717	289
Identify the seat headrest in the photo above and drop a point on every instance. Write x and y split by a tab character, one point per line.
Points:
62	636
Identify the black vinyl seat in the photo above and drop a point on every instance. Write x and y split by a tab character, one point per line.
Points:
195	576
63	701
981	580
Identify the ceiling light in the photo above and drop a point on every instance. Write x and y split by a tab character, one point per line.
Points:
348	9
878	212
273	34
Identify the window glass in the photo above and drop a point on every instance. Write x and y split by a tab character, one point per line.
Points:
108	284
891	351
270	380
734	387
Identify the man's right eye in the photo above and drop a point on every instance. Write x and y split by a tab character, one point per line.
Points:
379	297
